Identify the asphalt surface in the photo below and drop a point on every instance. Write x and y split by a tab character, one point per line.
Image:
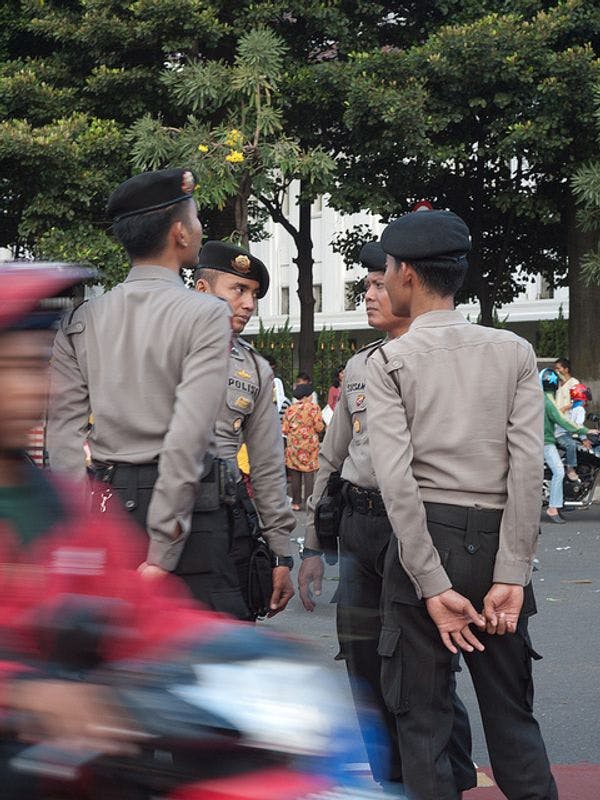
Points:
565	631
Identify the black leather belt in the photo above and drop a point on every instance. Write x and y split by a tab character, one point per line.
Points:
363	501
486	520
119	475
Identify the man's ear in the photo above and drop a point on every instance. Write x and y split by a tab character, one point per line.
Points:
178	234
407	273
202	285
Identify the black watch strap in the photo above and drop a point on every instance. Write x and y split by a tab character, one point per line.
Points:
307	552
282	561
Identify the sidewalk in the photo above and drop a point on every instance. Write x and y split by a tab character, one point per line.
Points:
574	781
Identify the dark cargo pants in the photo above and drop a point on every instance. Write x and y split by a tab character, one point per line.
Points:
364	539
416	667
215	559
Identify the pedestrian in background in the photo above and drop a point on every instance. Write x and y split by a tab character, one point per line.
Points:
302	423
335	389
562	367
553	421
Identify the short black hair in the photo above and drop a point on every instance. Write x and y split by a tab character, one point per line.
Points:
207	274
441	278
564	362
304	376
145	235
336	377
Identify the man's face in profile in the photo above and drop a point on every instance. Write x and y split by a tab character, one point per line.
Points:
24	357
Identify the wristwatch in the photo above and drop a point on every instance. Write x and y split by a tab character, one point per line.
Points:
307	552
282	561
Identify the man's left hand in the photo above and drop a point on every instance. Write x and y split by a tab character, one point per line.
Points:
501	608
452	614
283	590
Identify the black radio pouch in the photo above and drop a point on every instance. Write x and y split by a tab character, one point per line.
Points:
260	578
328	515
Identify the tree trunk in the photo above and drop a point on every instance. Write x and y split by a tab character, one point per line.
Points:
304	262
584	302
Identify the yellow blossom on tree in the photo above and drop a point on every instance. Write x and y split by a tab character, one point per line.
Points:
234	138
203	148
235	157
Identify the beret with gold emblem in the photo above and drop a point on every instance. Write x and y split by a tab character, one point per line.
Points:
435	236
150	191
227	257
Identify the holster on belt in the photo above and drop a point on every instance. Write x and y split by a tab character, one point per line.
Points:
260	572
328	515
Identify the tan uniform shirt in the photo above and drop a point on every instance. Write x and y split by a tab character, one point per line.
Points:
346	443
463	425
149	360
249	415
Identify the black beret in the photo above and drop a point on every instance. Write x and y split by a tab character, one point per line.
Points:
372	256
150	191
227	257
428	236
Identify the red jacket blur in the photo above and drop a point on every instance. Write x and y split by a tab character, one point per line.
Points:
93	555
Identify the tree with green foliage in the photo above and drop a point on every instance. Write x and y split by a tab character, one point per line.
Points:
233	139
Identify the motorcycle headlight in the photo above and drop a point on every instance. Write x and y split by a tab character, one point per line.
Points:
276	704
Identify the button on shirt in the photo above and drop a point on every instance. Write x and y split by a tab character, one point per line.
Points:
149	360
346	443
456	417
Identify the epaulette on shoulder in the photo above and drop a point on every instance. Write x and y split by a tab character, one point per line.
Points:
248	346
74	321
370	346
378	345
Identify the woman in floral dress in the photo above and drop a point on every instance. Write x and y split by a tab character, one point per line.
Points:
302	423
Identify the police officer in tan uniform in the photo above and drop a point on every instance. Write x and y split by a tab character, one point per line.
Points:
148	360
456	436
364	535
248	414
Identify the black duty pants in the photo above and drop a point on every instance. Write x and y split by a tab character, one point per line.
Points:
364	539
216	555
416	667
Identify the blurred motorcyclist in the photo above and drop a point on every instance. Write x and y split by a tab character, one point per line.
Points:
51	549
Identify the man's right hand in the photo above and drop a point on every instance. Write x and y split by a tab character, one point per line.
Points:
452	614
311	571
151	571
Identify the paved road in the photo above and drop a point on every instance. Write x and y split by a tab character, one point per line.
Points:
565	631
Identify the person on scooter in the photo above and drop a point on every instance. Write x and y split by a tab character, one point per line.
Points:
52	552
552	417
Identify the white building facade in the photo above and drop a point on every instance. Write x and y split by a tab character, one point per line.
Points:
331	279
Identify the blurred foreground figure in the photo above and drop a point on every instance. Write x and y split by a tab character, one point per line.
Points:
113	686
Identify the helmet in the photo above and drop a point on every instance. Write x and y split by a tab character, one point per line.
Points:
580	392
24	284
549	380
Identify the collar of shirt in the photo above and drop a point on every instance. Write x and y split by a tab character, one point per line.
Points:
438	319
153	273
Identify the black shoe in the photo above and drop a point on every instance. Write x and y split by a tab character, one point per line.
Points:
555	519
